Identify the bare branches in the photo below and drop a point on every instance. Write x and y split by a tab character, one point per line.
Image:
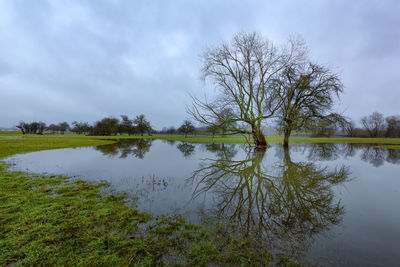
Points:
257	80
307	91
243	71
374	123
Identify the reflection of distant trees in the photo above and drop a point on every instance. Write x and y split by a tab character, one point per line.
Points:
169	142
374	155
124	148
393	156
186	148
329	151
221	150
287	204
370	153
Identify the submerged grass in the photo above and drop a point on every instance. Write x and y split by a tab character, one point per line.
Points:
54	220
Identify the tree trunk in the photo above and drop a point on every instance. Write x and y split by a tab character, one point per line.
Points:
259	139
22	130
287	133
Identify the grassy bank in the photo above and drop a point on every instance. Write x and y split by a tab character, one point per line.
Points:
31	142
53	220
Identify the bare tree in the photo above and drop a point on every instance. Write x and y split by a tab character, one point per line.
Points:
374	124
306	90
41	127
171	130
393	126
78	127
53	128
126	125
325	125
22	126
33	127
63	127
142	125
242	71
186	128
106	126
349	128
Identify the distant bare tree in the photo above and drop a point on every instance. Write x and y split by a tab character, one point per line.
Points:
80	127
374	124
242	71
41	127
107	126
22	126
63	127
349	128
126	125
171	130
142	125
213	129
32	128
186	128
393	126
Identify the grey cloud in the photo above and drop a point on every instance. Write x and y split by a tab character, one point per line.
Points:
82	60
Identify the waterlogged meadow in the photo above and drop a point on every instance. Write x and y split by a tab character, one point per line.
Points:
330	204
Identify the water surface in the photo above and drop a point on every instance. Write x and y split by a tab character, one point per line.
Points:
333	204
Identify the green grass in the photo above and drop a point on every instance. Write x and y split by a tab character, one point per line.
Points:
29	143
32	142
54	220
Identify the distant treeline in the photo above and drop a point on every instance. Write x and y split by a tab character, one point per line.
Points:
106	127
373	125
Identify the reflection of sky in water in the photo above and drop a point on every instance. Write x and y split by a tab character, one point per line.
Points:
158	173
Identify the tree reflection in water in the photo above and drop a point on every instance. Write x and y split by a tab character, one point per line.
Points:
371	153
222	151
284	205
186	149
170	142
124	148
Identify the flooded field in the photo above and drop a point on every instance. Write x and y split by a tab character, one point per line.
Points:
333	204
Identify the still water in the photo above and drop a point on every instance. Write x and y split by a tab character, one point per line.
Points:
332	204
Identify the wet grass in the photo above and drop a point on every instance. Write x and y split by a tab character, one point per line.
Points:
54	220
72	140
51	220
29	143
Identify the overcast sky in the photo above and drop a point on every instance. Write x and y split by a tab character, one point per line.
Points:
84	60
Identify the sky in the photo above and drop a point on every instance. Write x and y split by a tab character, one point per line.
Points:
85	60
